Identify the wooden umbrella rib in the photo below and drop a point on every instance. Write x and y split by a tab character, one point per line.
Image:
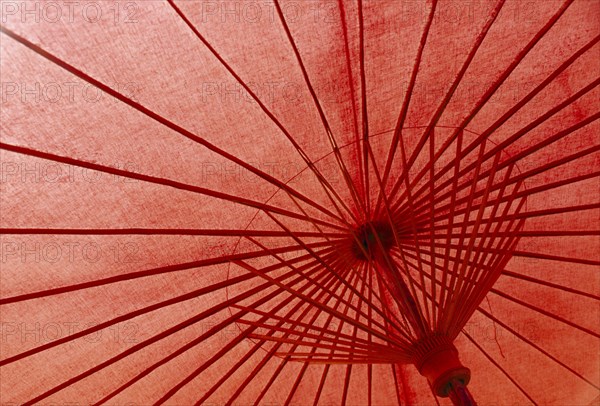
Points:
310	251
158	271
157	180
162	120
322	116
224	350
158	364
172	330
545	312
272	352
214	232
407	98
449	94
537	347
536	171
284	361
352	90
497	365
534	213
502	78
545	283
511	112
119	319
293	348
253	350
364	110
500	147
322	181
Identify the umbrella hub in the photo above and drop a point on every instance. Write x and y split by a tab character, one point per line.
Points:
436	358
369	237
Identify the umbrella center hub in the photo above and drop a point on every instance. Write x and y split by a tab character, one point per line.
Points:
370	237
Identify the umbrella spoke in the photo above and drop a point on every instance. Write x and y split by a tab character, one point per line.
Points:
532	172
195	342
484	135
172	330
276	346
316	257
549	284
157	271
512	139
159	181
327	188
324	307
167	123
334	146
544	312
533	213
537	347
492	90
497	365
191	295
350	75
162	231
406	103
449	94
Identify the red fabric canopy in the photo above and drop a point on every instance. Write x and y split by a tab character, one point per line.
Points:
299	202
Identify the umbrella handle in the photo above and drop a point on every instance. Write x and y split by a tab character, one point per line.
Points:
459	394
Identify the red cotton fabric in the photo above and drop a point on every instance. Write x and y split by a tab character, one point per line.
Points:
296	202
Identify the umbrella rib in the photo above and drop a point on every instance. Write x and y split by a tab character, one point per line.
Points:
271	352
190	377
322	116
308	249
550	284
364	111
449	298
155	271
492	90
173	355
161	231
162	120
320	305
119	319
449	94
311	354
352	90
285	360
464	273
172	330
500	147
354	334
317	304
545	312
497	365
536	171
517	107
535	213
529	233
406	103
322	180
339	328
159	181
532	344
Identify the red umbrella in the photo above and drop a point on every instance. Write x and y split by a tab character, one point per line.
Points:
300	202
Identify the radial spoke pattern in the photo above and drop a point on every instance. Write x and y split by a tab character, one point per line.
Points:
411	220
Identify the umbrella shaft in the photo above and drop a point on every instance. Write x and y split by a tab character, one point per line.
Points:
460	395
